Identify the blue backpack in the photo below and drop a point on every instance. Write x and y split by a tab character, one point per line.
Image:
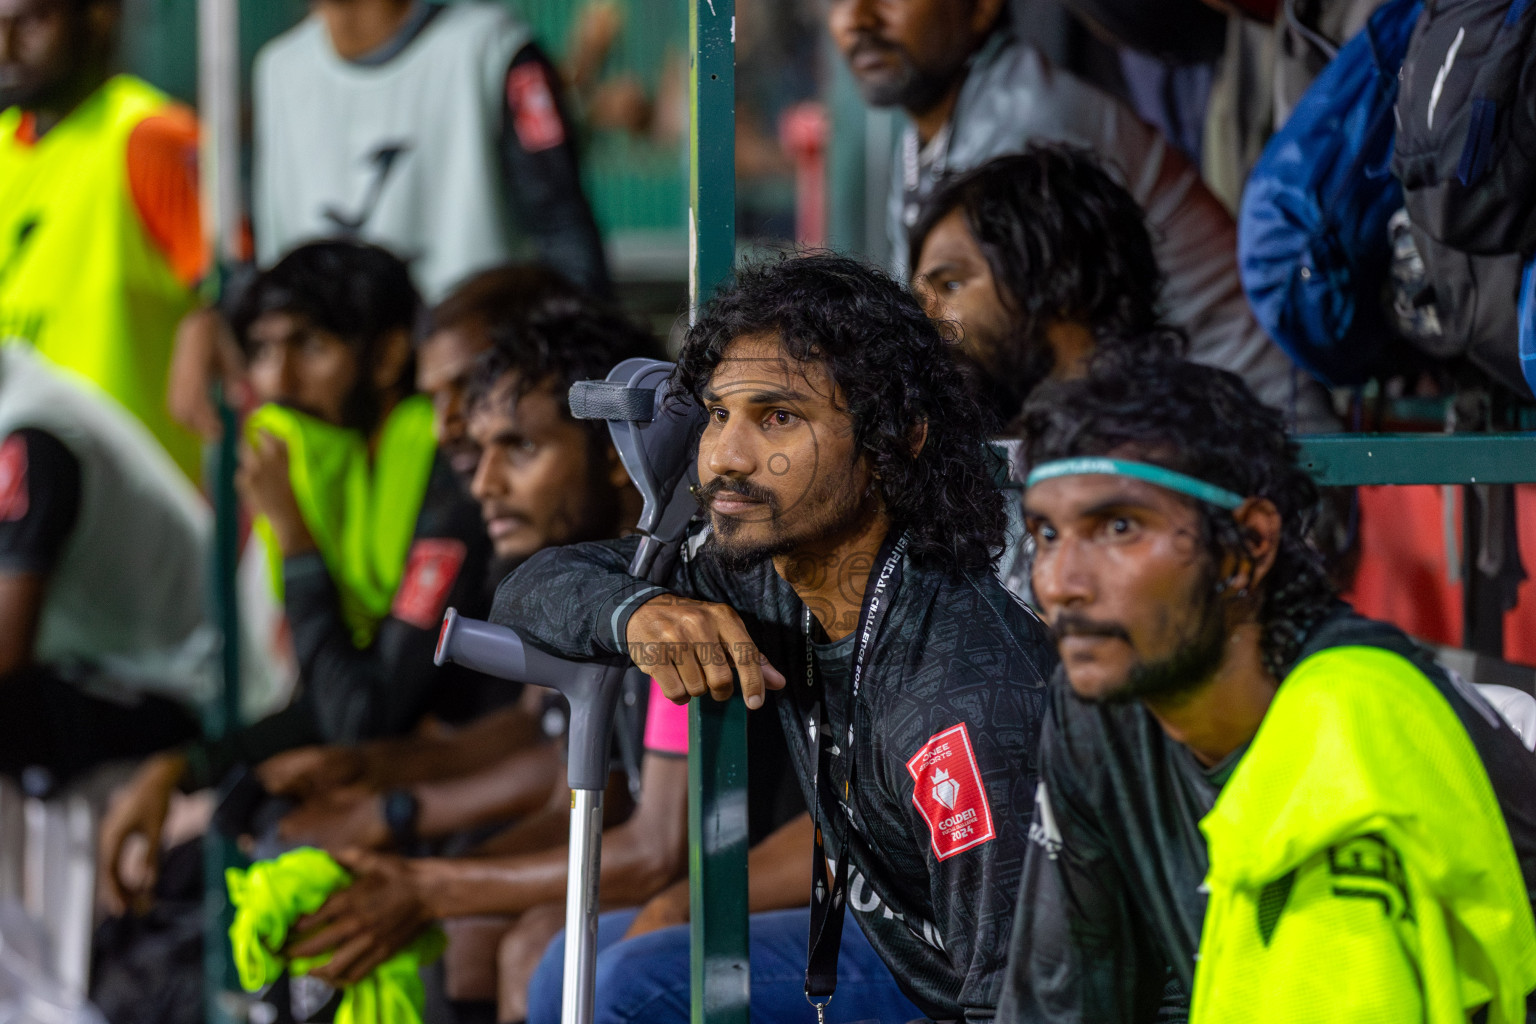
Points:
1527	314
1312	238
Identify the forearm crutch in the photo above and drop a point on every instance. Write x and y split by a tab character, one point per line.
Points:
655	430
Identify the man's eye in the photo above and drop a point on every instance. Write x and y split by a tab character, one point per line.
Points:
952	285
1043	533
780	418
1120	525
717	414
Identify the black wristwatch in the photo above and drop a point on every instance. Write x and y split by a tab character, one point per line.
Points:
401	810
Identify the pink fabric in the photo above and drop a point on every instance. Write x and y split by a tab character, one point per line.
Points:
666	724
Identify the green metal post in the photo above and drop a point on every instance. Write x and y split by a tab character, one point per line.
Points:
717	764
219	717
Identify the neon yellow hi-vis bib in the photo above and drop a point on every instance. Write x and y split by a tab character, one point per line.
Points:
361	512
1361	871
272	894
80	277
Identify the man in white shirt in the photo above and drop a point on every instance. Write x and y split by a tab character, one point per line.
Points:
434	130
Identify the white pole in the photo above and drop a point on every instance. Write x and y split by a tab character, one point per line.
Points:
218	102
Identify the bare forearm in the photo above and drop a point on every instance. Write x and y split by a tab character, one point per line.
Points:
411	759
777	878
633	869
509	788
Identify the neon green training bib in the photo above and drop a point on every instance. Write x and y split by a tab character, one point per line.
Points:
361	512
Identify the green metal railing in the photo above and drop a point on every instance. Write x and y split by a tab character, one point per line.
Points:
717	766
1361	459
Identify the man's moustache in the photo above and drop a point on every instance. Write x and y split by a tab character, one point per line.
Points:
1068	624
866	43
748	490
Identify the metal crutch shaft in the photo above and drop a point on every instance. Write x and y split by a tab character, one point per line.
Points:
581	907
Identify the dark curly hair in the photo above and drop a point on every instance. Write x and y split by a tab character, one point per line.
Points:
1064	242
896	374
557	343
1203	422
503	294
359	292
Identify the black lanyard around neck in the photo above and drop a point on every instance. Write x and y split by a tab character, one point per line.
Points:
827	906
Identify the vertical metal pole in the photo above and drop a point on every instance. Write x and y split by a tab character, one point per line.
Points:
717	763
581	906
218	96
218	102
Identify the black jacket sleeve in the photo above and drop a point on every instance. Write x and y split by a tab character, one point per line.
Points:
384	689
542	179
210	760
349	694
1077	953
576	601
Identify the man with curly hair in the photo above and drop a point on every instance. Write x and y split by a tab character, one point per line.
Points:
845	563
1254	804
1036	261
971	88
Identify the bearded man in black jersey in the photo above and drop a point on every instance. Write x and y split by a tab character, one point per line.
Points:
1254	804
852	522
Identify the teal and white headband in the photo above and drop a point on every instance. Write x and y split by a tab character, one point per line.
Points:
1174	481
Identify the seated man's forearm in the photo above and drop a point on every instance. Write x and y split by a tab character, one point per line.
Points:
776	875
512	787
487	741
634	868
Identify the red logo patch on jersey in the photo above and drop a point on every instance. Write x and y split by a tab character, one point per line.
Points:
949	793
14	498
429	574
534	113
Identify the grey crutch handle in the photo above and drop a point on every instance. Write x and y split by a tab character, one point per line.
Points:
591	687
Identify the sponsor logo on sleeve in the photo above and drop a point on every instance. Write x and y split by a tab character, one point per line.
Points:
535	116
14	498
430	570
948	793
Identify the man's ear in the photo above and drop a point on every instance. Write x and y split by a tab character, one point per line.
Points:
102	18
1259	523
919	437
985	15
390	357
618	476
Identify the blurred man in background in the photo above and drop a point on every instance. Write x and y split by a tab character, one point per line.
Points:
105	652
1038	260
443	139
100	237
972	91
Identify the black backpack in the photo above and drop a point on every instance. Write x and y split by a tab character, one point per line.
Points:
1466	131
1466	155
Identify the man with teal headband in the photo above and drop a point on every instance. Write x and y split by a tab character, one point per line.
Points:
1254	804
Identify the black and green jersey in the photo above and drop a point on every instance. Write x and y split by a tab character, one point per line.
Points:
1110	912
949	711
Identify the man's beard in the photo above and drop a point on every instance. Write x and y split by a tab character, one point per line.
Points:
843	511
27	93
1194	660
910	87
1005	373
